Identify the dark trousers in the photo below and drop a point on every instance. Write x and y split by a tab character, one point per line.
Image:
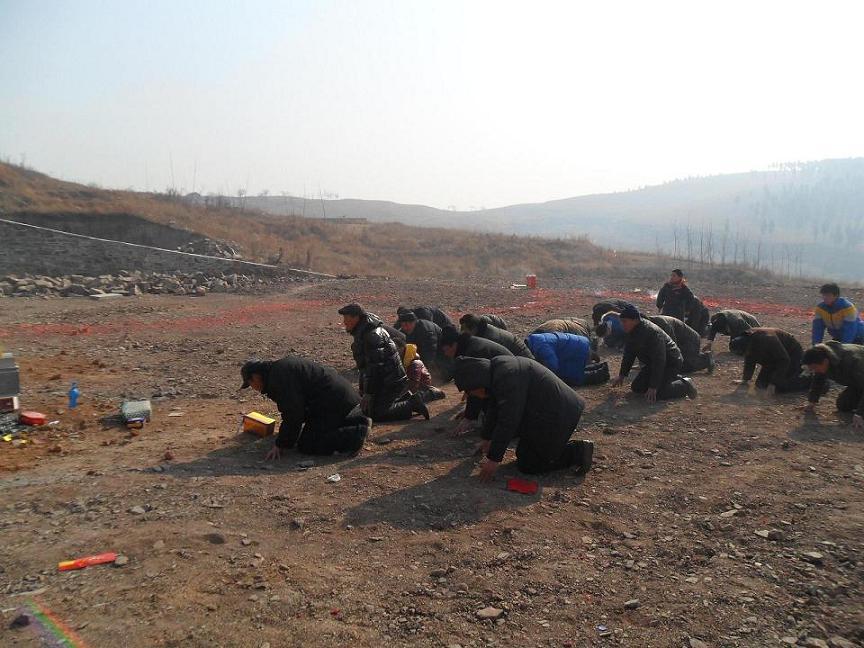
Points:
596	373
696	361
849	398
671	386
334	434
793	381
391	406
533	459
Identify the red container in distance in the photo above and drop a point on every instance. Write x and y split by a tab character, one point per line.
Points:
531	281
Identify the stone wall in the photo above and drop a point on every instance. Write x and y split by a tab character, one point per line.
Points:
38	250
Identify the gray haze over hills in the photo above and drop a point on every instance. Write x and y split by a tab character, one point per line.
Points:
796	219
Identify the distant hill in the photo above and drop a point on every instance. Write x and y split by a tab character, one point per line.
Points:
338	248
802	218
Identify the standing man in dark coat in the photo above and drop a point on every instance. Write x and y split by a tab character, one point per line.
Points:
383	381
426	335
320	413
729	322
478	326
429	313
687	340
528	402
607	306
659	357
675	297
844	364
453	344
779	355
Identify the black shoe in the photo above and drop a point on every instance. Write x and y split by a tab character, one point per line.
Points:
418	406
587	458
711	363
692	392
431	394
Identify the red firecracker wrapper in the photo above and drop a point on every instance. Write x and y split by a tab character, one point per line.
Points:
522	486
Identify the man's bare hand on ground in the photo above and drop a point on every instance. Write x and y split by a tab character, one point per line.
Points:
618	381
464	427
274	454
857	422
487	469
651	396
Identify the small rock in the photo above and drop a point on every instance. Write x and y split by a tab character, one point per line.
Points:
168	456
121	560
696	643
20	621
306	463
489	613
298	523
215	538
245	542
839	642
813	557
632	604
587	540
159	544
789	641
813	642
730	513
137	510
384	441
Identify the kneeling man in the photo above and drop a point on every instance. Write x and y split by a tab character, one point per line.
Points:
320	413
524	400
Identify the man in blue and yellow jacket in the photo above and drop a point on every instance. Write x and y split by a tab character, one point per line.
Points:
839	316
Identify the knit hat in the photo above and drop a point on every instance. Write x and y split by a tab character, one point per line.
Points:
630	312
355	310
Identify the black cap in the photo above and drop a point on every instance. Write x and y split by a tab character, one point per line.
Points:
355	310
449	335
630	312
407	316
678	271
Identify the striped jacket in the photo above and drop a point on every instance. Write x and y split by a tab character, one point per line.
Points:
840	319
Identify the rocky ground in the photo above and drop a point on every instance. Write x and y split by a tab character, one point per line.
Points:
728	521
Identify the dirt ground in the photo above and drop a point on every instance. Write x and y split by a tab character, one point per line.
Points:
227	550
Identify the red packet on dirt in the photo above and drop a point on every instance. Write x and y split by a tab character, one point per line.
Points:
522	486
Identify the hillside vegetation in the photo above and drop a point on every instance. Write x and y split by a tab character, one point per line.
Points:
368	249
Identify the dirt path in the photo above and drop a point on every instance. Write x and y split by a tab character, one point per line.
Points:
227	550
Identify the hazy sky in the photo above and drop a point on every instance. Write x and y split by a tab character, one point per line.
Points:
462	103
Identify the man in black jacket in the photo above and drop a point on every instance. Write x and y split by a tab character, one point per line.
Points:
729	322
844	364
528	402
607	306
687	340
426	336
428	313
454	344
779	355
698	317
319	408
481	328
660	358
383	381
675	297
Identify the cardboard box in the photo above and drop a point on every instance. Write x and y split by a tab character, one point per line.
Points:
258	424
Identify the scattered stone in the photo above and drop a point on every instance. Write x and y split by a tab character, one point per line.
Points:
137	510
20	621
159	544
632	604
696	643
839	642
730	513
489	613
215	538
121	560
812	557
813	642
298	524
306	463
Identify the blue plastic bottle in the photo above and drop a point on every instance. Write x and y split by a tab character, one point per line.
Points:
74	393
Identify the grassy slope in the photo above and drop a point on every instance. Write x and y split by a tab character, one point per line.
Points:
376	249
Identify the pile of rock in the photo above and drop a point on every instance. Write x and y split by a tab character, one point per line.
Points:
209	247
129	283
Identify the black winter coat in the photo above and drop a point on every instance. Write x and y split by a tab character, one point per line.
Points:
684	337
495	320
306	392
505	338
378	360
675	300
433	314
731	322
472	346
845	366
426	335
607	306
774	348
654	348
526	400
698	317
572	325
